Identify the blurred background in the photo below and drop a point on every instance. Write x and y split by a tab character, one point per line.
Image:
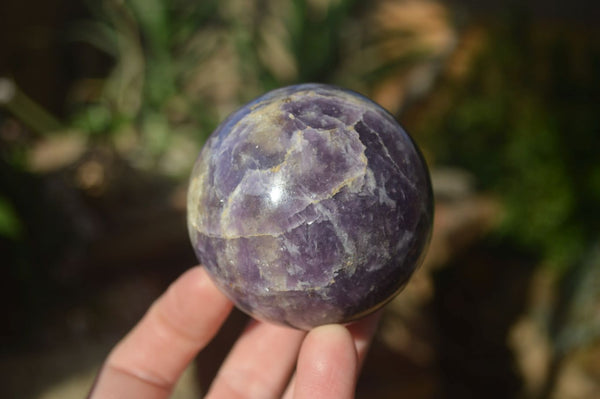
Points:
105	104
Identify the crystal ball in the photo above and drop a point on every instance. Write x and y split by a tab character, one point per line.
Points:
310	205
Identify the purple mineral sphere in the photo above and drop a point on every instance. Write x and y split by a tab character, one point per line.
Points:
310	205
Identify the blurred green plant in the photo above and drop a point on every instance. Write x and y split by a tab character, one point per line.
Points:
141	108
525	122
181	66
10	225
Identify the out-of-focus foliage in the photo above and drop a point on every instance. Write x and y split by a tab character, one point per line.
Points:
10	225
576	322
181	66
525	121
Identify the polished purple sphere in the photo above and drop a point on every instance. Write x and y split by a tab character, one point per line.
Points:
310	205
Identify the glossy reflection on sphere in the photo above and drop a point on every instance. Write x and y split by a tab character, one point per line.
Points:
310	205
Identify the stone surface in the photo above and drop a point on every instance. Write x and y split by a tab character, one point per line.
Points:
310	205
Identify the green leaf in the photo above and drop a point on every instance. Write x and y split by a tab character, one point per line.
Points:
10	224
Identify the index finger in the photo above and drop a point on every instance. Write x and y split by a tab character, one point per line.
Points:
150	359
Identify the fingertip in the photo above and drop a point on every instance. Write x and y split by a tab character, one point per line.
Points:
334	336
334	340
327	365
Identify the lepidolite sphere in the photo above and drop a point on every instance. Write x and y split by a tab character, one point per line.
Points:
310	205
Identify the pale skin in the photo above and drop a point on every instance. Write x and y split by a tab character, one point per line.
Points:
267	361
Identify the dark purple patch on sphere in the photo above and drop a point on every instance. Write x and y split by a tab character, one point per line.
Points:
310	205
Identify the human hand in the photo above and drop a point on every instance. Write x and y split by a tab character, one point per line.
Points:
150	359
